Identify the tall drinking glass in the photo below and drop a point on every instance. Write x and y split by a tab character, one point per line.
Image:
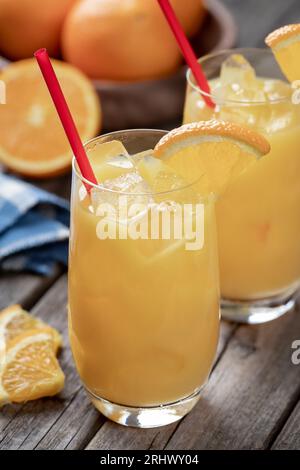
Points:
143	311
258	217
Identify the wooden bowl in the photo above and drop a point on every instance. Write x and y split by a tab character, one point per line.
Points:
153	102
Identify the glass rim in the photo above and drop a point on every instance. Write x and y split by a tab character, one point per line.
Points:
99	187
231	101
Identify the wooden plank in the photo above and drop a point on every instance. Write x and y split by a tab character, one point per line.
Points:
87	422
24	288
33	419
250	394
114	437
74	427
70	421
79	422
257	18
65	421
58	423
289	437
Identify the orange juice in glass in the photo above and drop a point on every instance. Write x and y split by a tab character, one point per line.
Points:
143	311
258	216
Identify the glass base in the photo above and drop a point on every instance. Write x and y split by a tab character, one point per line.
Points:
147	417
258	311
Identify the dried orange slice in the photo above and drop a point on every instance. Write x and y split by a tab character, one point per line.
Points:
30	369
285	44
32	140
215	152
14	321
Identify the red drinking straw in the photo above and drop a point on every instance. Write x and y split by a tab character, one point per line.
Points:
65	115
186	50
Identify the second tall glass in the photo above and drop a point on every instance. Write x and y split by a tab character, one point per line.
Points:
258	216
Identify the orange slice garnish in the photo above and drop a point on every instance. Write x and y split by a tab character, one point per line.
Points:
285	44
215	152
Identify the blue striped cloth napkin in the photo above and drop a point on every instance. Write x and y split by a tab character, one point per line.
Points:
34	227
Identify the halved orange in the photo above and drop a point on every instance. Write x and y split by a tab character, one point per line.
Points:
285	44
215	152
30	369
32	140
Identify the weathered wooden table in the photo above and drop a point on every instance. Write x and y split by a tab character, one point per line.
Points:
253	397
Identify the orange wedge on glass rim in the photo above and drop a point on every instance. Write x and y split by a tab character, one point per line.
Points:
30	369
215	152
32	140
285	44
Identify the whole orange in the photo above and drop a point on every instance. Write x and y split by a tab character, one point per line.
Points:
190	13
27	25
119	40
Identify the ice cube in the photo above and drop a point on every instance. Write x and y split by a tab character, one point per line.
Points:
277	90
120	161
136	158
238	81
109	160
236	70
158	175
99	152
127	189
129	182
165	183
